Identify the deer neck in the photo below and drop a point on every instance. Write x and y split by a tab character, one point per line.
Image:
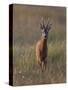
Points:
44	40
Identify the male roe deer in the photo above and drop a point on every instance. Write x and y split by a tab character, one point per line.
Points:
41	46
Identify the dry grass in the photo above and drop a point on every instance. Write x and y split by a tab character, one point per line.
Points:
26	71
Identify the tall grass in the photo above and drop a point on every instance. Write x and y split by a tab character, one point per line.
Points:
25	67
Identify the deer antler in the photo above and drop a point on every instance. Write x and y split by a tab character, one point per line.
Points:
42	24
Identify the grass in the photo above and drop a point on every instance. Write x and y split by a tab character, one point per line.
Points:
26	71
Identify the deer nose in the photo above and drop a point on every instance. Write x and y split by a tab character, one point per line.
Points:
45	36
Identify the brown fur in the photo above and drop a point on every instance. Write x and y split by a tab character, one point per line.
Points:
41	52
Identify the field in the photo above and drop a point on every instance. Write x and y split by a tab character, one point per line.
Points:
26	33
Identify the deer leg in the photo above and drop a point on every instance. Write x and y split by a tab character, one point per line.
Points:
42	66
45	63
39	63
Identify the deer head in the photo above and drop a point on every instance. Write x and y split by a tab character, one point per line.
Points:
45	28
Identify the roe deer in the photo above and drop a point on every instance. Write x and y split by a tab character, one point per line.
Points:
41	46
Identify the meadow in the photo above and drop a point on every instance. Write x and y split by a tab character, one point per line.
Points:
26	33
